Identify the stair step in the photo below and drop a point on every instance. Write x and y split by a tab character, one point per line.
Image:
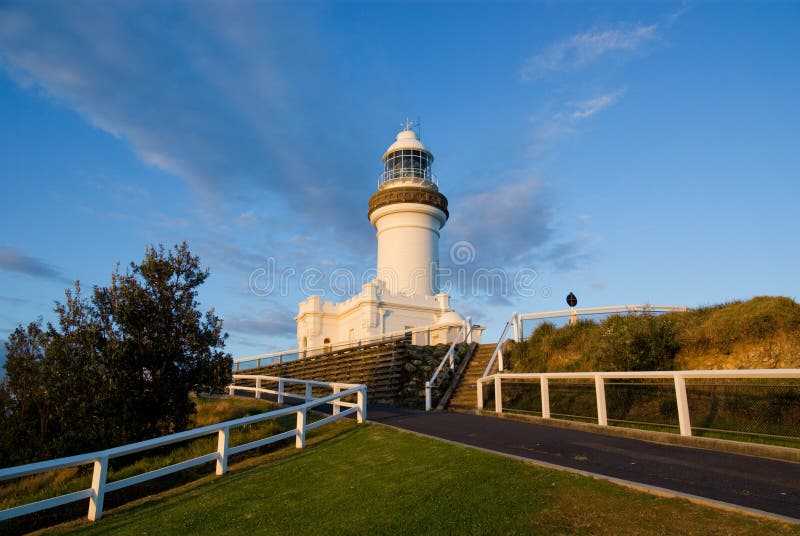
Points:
463	398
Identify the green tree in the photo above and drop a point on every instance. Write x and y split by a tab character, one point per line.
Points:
115	368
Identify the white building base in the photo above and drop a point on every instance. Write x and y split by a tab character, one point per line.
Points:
375	312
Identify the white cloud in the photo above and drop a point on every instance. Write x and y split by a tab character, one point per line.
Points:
14	260
248	219
587	108
565	121
274	321
584	48
504	224
219	97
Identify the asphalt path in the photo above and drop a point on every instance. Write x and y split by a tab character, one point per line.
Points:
761	484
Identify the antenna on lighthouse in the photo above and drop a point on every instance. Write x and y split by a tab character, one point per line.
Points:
409	125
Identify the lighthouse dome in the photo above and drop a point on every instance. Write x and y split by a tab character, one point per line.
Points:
450	317
407	139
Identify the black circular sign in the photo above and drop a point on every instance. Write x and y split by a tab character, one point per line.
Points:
572	301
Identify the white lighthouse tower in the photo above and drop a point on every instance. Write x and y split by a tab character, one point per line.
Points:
408	212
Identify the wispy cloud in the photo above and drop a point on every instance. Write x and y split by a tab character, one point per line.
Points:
553	125
595	287
275	321
672	18
13	301
224	98
249	219
587	108
509	227
585	48
13	260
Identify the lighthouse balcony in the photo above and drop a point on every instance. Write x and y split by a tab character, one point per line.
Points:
421	177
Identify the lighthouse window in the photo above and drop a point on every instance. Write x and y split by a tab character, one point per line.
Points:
407	163
407	159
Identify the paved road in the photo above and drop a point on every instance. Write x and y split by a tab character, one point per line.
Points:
757	483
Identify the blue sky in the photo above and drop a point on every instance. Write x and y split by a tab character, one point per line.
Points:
629	152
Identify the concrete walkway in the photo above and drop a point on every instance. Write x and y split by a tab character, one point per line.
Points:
759	484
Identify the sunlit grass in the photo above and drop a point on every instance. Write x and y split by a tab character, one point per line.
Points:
368	479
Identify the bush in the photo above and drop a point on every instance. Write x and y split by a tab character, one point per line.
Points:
116	368
633	343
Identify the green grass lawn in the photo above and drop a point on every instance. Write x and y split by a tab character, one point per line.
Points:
369	479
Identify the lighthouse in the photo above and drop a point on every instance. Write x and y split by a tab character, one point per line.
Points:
408	213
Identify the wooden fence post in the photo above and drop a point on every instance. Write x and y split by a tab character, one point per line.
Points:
222	451
498	395
545	387
683	406
98	488
600	393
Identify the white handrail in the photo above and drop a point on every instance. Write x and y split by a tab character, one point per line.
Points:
516	322
620	308
574	312
498	350
448	357
325	348
99	486
678	376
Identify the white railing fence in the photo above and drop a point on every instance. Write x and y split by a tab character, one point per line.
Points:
100	486
516	322
497	355
679	378
573	314
284	388
421	334
465	336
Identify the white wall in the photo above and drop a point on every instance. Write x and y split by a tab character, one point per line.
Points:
408	247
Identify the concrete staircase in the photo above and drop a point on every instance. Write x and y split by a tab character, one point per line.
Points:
464	398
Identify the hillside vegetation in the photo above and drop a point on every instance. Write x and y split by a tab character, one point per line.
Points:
763	332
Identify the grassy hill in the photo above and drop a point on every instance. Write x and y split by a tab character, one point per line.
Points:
760	333
369	479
